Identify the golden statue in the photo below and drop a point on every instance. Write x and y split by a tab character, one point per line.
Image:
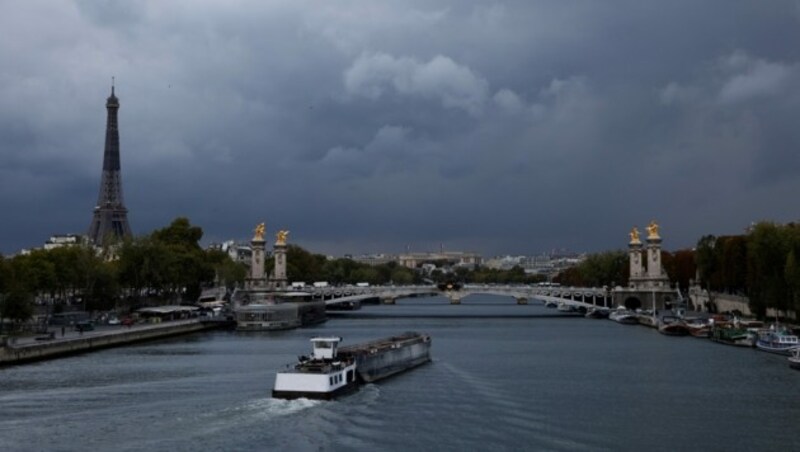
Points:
280	237
635	236
259	232
652	230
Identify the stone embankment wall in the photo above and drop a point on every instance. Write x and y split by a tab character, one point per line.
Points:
727	303
19	353
724	302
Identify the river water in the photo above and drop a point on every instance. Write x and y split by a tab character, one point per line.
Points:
503	377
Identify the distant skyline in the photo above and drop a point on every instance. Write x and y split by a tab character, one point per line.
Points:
506	127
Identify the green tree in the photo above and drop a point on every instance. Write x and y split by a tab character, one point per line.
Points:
103	291
734	264
402	275
38	272
187	268
228	273
4	278
767	250
143	267
180	233
17	305
705	260
601	269
65	262
303	266
365	273
571	277
792	276
680	267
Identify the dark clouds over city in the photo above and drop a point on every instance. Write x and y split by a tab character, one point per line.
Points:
363	126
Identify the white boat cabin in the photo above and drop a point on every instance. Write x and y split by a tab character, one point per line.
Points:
322	376
325	347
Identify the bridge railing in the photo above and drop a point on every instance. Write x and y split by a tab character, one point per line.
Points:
575	294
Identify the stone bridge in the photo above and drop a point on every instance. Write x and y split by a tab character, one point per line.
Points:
574	296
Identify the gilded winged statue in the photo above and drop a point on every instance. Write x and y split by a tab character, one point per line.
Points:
259	232
280	237
635	235
652	230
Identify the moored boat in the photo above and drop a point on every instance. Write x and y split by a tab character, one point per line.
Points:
730	334
624	316
776	340
672	326
647	318
566	307
597	313
704	332
699	327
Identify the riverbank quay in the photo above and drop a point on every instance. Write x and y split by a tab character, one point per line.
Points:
36	348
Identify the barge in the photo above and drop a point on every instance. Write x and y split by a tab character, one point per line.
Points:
332	371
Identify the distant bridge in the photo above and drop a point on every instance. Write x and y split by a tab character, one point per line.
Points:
573	296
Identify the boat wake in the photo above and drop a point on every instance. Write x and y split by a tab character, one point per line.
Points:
367	396
264	409
514	418
275	407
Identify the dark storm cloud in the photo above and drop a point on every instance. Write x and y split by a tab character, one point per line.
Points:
510	127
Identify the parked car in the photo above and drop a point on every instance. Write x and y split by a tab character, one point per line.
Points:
127	321
84	326
113	321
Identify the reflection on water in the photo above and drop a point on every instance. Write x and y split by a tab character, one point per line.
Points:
503	377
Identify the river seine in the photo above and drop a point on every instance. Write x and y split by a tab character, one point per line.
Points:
503	377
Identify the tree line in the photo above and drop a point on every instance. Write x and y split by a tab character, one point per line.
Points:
612	268
167	265
302	265
761	264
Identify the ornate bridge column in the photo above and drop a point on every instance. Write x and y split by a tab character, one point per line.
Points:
653	252
257	279
521	300
635	254
279	250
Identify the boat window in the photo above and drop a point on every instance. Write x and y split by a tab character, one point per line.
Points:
322	344
331	380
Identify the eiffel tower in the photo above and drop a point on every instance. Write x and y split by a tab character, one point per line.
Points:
110	220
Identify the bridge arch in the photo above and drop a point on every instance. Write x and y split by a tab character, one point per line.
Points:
633	303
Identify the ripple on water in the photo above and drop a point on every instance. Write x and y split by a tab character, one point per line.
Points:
494	413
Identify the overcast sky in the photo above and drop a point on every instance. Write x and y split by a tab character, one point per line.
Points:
378	126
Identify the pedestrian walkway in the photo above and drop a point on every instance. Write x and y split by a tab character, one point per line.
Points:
68	333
